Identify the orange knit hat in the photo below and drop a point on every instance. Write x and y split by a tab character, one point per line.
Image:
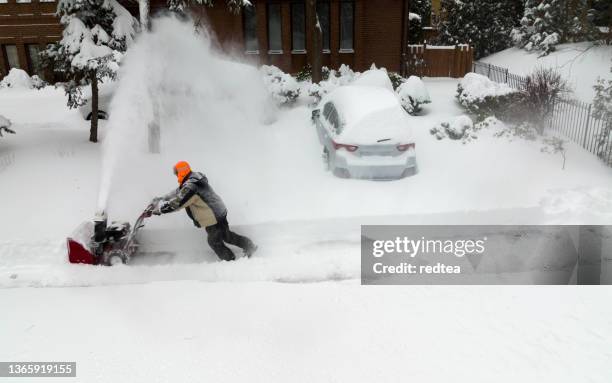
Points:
181	170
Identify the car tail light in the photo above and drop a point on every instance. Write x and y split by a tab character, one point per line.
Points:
350	148
404	147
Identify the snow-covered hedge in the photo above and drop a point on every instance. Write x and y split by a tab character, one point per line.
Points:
19	79
413	94
283	88
483	97
459	128
5	125
343	76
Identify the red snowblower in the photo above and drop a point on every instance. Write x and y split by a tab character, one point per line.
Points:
109	244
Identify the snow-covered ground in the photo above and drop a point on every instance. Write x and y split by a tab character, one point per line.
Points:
323	332
580	63
178	314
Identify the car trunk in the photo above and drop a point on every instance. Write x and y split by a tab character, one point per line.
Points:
385	148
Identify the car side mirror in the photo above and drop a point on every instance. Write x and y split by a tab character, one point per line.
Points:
315	114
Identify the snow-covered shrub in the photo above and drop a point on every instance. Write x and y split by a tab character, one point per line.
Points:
396	79
460	128
413	94
283	88
554	145
331	80
38	83
483	97
16	79
542	88
304	74
489	122
5	125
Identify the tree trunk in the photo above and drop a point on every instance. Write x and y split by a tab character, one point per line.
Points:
93	132
143	13
314	30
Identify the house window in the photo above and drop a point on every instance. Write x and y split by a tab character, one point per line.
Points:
275	40
347	24
250	30
323	14
23	1
12	56
298	27
34	59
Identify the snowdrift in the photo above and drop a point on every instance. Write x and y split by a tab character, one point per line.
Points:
580	63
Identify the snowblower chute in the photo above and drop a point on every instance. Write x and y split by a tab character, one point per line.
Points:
107	244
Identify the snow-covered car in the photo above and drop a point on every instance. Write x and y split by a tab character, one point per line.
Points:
365	134
105	94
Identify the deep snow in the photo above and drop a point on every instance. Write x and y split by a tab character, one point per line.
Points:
324	332
580	63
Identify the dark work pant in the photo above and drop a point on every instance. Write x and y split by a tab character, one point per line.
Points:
220	233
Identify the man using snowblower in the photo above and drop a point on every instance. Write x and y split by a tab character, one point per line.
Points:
206	209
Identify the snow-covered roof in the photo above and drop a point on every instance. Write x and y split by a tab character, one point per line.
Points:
355	102
374	77
369	113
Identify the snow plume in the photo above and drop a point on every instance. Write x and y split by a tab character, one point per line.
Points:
203	102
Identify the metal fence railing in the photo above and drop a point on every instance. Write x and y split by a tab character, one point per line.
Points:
572	118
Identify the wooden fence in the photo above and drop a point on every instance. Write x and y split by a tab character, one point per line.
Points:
438	61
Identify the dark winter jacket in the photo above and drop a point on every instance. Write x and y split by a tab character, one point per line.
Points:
198	198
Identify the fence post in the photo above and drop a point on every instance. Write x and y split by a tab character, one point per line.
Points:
586	131
507	75
489	73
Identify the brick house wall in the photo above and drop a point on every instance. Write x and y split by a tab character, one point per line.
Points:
377	32
26	23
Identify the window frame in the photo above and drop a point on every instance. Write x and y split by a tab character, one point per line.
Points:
6	57
33	71
280	15
244	24
352	49
292	5
328	34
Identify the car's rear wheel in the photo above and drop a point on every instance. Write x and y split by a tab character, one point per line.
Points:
101	115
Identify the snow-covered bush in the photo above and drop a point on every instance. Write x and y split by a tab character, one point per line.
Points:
304	74
460	128
332	79
5	125
413	94
483	98
555	145
16	79
542	88
283	88
38	83
396	79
